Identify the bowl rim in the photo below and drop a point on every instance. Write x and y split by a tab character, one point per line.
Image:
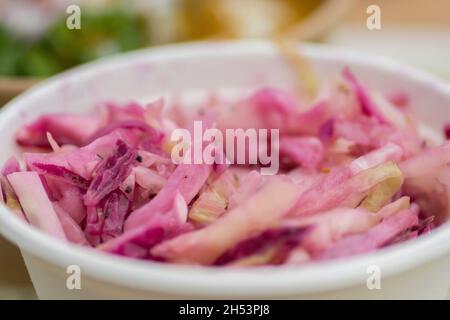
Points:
210	281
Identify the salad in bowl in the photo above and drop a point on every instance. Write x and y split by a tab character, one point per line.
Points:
354	175
210	171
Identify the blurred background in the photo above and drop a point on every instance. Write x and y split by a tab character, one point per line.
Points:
35	43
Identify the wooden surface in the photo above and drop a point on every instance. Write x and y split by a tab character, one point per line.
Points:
14	280
405	12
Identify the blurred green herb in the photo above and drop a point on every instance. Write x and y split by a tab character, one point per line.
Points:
102	32
9	49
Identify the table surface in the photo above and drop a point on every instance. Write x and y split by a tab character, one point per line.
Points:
14	280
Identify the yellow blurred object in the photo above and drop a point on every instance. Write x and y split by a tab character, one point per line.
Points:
202	19
236	18
287	21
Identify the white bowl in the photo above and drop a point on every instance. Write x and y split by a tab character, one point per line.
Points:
416	269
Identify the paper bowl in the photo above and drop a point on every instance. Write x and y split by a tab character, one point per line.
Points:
415	269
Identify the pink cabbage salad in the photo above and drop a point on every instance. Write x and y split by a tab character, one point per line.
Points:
355	176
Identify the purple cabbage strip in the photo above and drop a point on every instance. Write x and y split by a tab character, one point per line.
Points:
368	106
71	228
272	99
115	211
136	244
400	99
61	173
138	241
187	179
94	225
405	235
65	129
287	238
153	134
105	222
326	130
129	111
305	151
425	225
375	238
71	201
110	173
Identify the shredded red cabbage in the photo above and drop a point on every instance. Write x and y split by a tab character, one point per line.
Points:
110	173
62	173
355	175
